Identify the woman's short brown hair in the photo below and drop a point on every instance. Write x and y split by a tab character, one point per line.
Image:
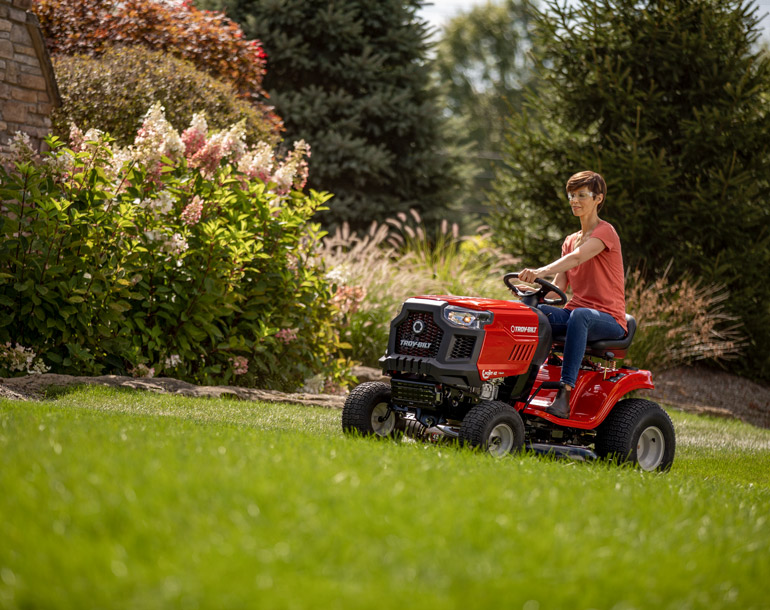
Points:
592	180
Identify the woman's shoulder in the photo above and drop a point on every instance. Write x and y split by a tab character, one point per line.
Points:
604	228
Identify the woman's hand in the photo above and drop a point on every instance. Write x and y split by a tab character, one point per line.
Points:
530	275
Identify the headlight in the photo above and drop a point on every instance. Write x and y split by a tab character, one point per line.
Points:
467	318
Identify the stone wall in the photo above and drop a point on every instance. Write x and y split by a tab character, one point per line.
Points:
28	91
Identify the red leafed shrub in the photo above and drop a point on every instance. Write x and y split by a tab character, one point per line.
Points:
208	39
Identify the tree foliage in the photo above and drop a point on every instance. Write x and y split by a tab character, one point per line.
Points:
111	93
668	100
352	78
483	68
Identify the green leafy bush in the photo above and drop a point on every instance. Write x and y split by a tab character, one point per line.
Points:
185	255
111	93
210	40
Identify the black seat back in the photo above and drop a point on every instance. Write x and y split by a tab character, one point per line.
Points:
607	348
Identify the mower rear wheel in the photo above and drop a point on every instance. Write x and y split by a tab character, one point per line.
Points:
493	426
640	432
367	410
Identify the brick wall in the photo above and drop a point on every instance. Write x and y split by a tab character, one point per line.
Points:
28	91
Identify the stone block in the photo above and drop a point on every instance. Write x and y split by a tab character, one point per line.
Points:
35	120
23	4
33	68
24	95
32	81
26	59
14	112
45	109
20	35
5	91
21	49
11	72
6	49
18	15
5	26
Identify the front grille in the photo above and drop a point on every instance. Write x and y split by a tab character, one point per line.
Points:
413	393
463	347
424	344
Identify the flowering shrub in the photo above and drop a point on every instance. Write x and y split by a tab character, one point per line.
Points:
145	260
20	358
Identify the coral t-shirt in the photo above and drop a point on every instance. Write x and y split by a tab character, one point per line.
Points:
599	283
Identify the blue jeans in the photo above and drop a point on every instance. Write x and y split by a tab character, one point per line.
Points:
580	326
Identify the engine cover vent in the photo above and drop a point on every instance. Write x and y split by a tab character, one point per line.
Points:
522	352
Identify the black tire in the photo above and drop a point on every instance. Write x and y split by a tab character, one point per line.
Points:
637	431
493	426
364	409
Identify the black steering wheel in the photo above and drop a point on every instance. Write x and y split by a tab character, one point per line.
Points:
535	297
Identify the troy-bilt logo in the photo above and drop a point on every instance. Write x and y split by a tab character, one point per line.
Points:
418	344
524	329
490	374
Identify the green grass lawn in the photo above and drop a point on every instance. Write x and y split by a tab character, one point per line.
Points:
116	499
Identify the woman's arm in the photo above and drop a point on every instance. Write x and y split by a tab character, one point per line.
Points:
559	267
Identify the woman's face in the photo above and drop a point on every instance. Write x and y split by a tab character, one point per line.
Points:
583	202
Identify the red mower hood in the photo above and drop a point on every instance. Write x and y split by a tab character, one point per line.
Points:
475	303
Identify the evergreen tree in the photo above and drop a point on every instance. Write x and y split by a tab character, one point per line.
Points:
351	77
668	99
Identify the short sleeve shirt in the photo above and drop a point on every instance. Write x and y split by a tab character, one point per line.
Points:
599	283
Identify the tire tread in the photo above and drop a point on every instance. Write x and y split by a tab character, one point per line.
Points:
357	412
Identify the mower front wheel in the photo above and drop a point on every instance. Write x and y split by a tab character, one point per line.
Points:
367	410
493	426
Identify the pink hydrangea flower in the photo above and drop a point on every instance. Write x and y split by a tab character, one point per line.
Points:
240	364
287	335
194	137
191	215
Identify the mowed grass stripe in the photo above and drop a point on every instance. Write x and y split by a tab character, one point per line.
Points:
230	504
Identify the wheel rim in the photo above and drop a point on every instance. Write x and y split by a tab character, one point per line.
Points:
381	426
501	440
650	448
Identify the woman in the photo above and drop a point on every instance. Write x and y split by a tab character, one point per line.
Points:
592	265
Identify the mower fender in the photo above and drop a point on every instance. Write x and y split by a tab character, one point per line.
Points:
614	387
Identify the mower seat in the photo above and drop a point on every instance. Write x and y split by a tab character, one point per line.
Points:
609	349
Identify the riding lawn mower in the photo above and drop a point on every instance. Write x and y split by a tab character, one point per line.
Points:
481	372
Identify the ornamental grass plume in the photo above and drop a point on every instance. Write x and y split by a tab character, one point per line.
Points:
680	322
399	259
